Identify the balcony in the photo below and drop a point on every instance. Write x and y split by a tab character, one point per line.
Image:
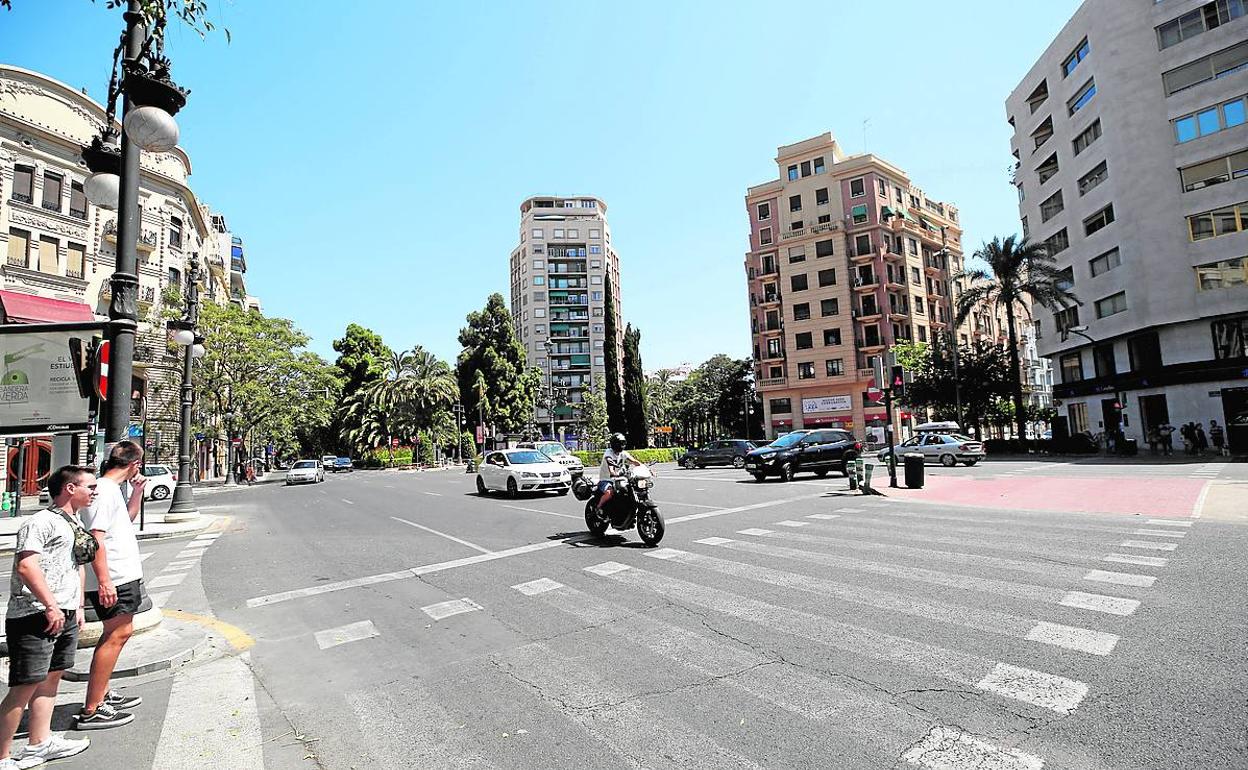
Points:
770	299
773	382
866	374
867	314
146	240
21	198
865	258
870	345
866	283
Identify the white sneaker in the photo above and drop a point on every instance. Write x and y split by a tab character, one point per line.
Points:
55	747
10	763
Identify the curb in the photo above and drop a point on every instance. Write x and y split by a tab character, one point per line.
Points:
176	660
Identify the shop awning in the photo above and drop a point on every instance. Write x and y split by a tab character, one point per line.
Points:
19	308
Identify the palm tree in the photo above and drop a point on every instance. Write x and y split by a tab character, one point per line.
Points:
416	388
1016	270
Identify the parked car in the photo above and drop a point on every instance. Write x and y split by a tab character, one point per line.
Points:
327	461
728	452
521	470
948	449
341	465
305	472
819	451
559	453
160	482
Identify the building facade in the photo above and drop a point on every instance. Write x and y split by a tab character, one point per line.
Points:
847	258
1131	162
559	276
60	250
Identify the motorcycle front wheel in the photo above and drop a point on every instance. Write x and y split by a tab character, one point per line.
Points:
650	526
595	520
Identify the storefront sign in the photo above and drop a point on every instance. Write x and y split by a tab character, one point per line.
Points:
827	404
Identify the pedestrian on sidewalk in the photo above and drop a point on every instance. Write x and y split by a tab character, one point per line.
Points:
1153	440
1166	432
250	474
44	616
1202	441
1218	436
1189	437
114	582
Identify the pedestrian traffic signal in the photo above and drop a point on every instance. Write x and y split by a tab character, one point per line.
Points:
897	381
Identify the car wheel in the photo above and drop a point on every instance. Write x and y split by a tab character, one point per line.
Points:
160	493
481	488
787	471
689	464
512	490
948	461
738	462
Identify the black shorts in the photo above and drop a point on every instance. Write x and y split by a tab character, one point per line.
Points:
33	653
129	597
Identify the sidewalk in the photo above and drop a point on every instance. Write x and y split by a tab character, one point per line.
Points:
151	531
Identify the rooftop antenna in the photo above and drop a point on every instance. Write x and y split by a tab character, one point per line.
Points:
864	134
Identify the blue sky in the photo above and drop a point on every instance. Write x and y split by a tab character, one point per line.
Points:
373	155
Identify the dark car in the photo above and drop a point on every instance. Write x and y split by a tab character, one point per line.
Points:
341	465
728	452
817	451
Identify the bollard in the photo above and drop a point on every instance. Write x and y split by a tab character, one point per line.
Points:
866	481
5	503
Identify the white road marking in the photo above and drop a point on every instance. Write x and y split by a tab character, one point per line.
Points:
850	510
1145	561
145	556
453	607
452	538
433	494
160	597
209	536
352	632
665	553
1072	638
1100	603
1158	533
539	510
539	586
947	748
1199	506
1120	578
790	523
387	713
754	531
161	581
212	720
176	566
1052	692
754	507
1168	523
193	553
1148	545
348	502
824	516
693	505
713	540
607	568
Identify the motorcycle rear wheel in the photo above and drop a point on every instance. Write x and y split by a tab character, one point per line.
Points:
650	526
595	521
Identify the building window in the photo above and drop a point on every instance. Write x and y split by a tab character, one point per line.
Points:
795	203
595	249
558	232
798	282
796	225
819	165
857	188
77	201
19	247
1099	220
537	232
1066	318
539	280
1072	61
1105	262
859	214
1223	274
595	280
773	348
1198	21
539	264
1038	97
1214	171
821	196
175	232
835	367
1144	352
797	254
599	361
1103	363
1111	305
539	312
823	248
804	341
829	307
764	236
49	262
574	233
76	260
922	333
806	370
595	233
764	211
825	219
1229	336
831	337
916	277
1052	206
1094	177
1080	100
596	296
1048	169
1057	242
780	406
1088	136
1224	221
1210	120
1072	367
595	264
792	173
805	168
52	191
539	296
801	312
827	277
1215	65
23	184
862	245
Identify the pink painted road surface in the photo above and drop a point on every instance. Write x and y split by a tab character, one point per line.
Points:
1174	497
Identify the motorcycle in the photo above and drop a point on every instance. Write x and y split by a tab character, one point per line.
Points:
630	506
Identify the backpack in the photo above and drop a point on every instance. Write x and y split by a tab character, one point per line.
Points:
85	544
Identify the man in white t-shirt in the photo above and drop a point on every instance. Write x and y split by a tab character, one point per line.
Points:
615	462
114	582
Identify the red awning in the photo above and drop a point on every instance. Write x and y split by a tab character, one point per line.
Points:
19	308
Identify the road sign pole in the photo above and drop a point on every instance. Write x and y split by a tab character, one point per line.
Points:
888	432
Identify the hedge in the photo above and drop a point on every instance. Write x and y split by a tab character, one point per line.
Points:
666	455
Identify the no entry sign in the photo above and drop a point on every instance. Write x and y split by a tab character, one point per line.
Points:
101	366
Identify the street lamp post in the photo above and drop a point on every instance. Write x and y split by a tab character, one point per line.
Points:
183	505
458	409
549	345
231	478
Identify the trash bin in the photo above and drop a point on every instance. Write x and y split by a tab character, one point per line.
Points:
914	470
1129	447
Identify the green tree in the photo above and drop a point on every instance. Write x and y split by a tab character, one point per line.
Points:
592	413
493	355
362	358
616	420
1018	274
638	426
659	389
983	372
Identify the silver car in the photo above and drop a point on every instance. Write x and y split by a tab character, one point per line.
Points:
560	454
948	449
305	472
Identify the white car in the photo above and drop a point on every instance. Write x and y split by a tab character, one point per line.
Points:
160	482
305	472
560	454
521	470
948	449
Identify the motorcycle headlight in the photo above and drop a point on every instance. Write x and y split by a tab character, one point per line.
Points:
643	483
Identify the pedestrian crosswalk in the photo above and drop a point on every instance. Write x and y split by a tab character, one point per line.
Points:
910	639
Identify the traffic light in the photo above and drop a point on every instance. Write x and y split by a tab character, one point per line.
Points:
897	381
82	358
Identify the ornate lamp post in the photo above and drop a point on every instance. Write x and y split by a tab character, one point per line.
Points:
183	506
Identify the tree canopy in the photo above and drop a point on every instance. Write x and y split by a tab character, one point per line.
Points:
491	370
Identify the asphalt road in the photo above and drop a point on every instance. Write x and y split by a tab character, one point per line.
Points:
402	621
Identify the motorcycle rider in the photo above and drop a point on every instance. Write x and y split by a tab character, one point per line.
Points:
615	462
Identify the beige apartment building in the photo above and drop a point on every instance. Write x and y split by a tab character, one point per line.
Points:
847	258
559	274
60	249
1131	149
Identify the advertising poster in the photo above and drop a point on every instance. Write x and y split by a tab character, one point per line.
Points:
827	404
39	383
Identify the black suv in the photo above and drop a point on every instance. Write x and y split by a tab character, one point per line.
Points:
729	452
819	451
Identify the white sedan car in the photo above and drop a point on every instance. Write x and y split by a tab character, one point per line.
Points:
946	449
160	482
305	472
521	470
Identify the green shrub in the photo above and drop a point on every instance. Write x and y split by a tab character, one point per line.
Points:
671	454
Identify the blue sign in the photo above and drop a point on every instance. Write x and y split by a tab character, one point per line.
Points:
199	437
134	431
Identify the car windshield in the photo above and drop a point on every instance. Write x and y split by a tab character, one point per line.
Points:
527	458
155	470
343	461
305	464
789	440
553	450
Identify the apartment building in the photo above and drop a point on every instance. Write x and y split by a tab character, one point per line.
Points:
1131	161
847	257
60	250
559	276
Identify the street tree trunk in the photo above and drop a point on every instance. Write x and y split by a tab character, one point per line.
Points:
1020	415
